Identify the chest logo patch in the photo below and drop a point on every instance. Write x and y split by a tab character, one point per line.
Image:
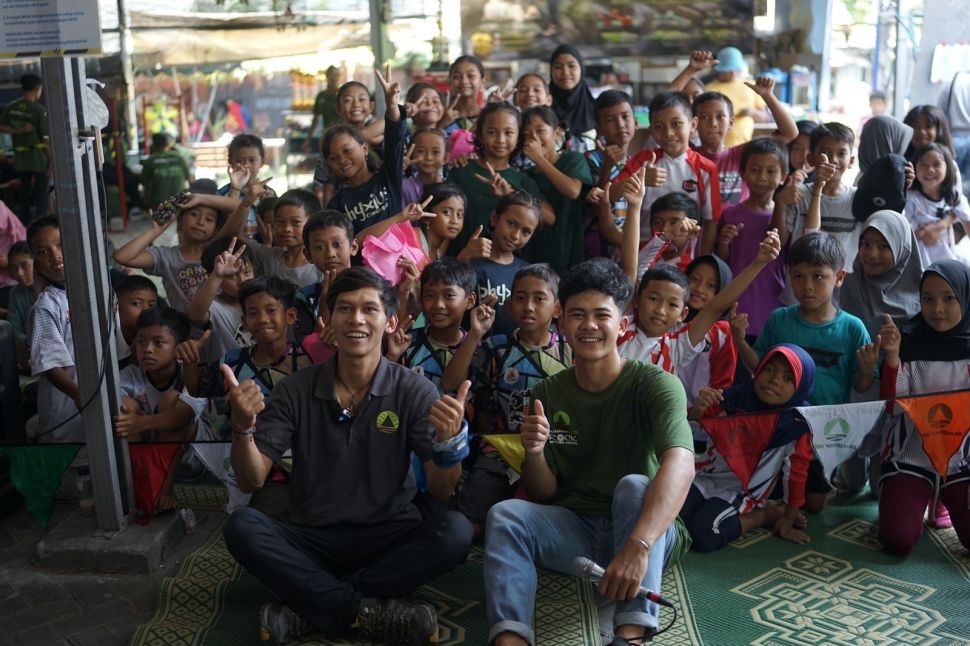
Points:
388	422
689	185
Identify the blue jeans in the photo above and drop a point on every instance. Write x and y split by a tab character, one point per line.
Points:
520	535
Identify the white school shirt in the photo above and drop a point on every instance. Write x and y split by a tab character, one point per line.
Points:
134	383
922	210
668	351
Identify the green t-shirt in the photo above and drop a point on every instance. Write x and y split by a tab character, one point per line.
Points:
326	106
165	174
596	439
481	200
561	245
30	151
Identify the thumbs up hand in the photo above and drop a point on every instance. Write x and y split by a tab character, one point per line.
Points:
534	430
655	175
246	400
477	247
448	413
188	351
890	336
825	171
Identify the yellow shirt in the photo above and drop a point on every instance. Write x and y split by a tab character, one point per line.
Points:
742	97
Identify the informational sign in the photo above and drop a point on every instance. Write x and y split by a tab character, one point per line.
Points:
31	28
510	29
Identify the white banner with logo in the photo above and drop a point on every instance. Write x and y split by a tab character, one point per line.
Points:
839	431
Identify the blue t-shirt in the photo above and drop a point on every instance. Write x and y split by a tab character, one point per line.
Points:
496	278
832	345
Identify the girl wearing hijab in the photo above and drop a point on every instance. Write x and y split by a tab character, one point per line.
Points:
718	508
929	352
886	272
714	366
882	136
571	98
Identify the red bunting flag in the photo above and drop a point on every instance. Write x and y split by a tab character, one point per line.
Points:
149	466
942	421
741	440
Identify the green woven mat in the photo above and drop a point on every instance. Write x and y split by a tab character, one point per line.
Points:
839	589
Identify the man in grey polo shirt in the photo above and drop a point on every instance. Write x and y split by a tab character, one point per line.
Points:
353	542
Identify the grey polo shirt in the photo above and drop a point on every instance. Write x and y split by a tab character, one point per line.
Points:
356	472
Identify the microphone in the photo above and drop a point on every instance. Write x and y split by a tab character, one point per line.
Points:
584	568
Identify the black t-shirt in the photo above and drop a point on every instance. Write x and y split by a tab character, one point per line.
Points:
358	472
495	278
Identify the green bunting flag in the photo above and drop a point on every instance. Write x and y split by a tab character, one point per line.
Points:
36	473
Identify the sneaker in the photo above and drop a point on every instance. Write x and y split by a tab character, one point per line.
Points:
282	625
397	621
940	518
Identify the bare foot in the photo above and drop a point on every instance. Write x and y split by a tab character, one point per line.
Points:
165	503
801	521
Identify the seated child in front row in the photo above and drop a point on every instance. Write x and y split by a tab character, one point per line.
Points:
155	405
505	368
719	507
929	352
837	341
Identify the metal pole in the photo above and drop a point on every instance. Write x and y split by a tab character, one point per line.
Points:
378	43
72	147
899	66
124	39
825	71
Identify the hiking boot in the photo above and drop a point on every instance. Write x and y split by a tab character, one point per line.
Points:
397	621
282	625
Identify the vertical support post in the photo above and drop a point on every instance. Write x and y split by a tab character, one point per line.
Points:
378	43
900	65
92	310
131	114
825	69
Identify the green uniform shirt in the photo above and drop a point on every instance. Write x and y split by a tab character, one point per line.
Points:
326	106
561	245
596	439
165	174
30	152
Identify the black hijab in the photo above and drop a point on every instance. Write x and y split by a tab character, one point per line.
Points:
724	276
574	107
920	342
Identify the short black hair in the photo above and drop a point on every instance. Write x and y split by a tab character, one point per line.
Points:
611	98
806	126
677	201
707	97
877	94
169	318
765	146
350	280
474	60
523	199
30	82
325	219
299	197
600	275
278	288
541	270
267	203
217	246
352	84
19	248
333	132
135	283
38	224
486	112
666	273
161	140
831	130
817	250
440	192
546	114
665	100
450	271
246	141
437	132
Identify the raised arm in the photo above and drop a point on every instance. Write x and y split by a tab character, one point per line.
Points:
481	320
787	131
134	253
568	187
700	61
632	189
246	400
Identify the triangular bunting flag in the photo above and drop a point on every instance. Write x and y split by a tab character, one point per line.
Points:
838	431
215	455
509	446
36	473
942	421
741	440
149	466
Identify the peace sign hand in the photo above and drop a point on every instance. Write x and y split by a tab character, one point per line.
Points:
229	262
500	187
392	93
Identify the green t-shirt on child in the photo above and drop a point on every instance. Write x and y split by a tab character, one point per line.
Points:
166	173
30	152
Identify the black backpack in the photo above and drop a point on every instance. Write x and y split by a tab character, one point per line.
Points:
883	186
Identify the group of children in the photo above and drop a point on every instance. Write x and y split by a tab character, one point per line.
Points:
757	281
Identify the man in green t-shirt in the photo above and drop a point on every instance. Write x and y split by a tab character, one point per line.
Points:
165	172
608	463
26	120
325	107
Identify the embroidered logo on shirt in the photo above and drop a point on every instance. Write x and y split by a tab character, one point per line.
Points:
689	185
511	376
388	422
560	434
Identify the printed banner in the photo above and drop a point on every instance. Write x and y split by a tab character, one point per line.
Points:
839	431
942	421
741	440
150	464
36	473
215	456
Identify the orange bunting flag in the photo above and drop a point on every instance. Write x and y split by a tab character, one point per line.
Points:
942	421
741	440
149	466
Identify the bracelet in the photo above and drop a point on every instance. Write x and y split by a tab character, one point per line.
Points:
456	443
245	433
447	459
646	546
